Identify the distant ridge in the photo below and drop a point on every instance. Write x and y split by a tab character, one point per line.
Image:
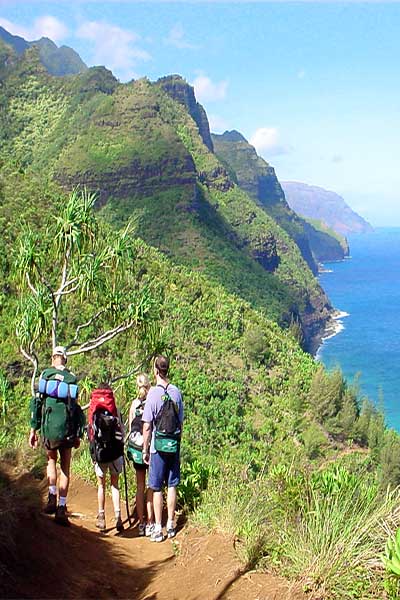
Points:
58	61
314	202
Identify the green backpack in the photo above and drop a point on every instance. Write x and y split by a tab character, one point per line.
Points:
134	450
62	418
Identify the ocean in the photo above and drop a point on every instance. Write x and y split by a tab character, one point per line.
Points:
366	289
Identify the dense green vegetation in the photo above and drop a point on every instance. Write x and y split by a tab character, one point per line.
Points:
283	455
257	178
142	151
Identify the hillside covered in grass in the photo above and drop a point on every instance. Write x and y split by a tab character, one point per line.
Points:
288	459
256	177
140	148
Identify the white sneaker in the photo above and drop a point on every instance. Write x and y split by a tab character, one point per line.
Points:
171	532
149	529
157	536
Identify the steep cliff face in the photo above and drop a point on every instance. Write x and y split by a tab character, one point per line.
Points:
316	203
254	175
178	89
258	179
143	152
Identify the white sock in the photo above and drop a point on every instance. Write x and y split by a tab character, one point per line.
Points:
157	527
62	501
170	524
53	490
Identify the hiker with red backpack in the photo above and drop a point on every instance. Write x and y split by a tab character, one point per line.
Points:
106	439
56	413
162	430
135	454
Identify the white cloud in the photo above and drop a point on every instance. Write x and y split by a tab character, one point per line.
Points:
44	26
266	141
176	37
217	124
208	91
114	47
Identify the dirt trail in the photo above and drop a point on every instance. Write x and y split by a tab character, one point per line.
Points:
51	561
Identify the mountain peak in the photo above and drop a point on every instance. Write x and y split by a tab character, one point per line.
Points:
314	202
231	136
57	61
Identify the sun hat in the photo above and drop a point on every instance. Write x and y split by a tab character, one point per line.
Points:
60	351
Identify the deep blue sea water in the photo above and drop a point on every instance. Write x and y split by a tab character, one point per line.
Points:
367	286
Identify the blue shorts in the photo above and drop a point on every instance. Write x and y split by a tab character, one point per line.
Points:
164	469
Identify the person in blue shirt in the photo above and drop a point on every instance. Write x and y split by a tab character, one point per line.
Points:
164	466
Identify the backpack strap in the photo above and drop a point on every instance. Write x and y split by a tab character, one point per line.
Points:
175	405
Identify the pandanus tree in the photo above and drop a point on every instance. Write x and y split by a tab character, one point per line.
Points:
78	284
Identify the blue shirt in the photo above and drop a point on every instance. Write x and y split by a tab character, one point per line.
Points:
154	403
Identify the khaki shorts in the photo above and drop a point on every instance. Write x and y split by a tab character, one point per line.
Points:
115	467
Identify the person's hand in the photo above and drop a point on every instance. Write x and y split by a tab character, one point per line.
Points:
146	457
77	443
33	439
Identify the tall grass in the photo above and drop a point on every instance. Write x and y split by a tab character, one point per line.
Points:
326	530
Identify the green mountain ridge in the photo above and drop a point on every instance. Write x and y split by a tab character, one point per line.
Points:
284	456
58	61
256	177
141	150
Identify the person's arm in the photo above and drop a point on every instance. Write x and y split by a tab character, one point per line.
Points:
33	438
147	419
147	431
35	420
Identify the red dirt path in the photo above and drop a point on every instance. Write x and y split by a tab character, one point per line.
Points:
51	561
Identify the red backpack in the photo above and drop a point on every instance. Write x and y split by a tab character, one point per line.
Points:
104	428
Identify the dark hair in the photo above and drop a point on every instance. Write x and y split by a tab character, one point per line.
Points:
162	365
104	386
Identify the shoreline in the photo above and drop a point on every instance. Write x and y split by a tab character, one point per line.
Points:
333	328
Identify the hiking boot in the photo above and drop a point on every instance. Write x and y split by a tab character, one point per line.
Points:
149	529
101	521
119	524
171	532
61	516
51	505
142	529
157	536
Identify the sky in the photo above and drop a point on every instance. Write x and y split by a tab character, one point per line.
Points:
314	86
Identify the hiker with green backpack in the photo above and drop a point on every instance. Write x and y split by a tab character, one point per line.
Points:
135	455
56	414
162	430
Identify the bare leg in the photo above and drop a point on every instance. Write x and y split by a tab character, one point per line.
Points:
140	487
65	462
158	506
101	492
115	494
149	502
171	503
52	467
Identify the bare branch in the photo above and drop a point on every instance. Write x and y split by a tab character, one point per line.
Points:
30	285
131	372
75	341
101	339
34	360
66	292
58	294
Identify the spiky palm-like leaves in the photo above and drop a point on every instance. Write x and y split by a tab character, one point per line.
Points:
77	284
